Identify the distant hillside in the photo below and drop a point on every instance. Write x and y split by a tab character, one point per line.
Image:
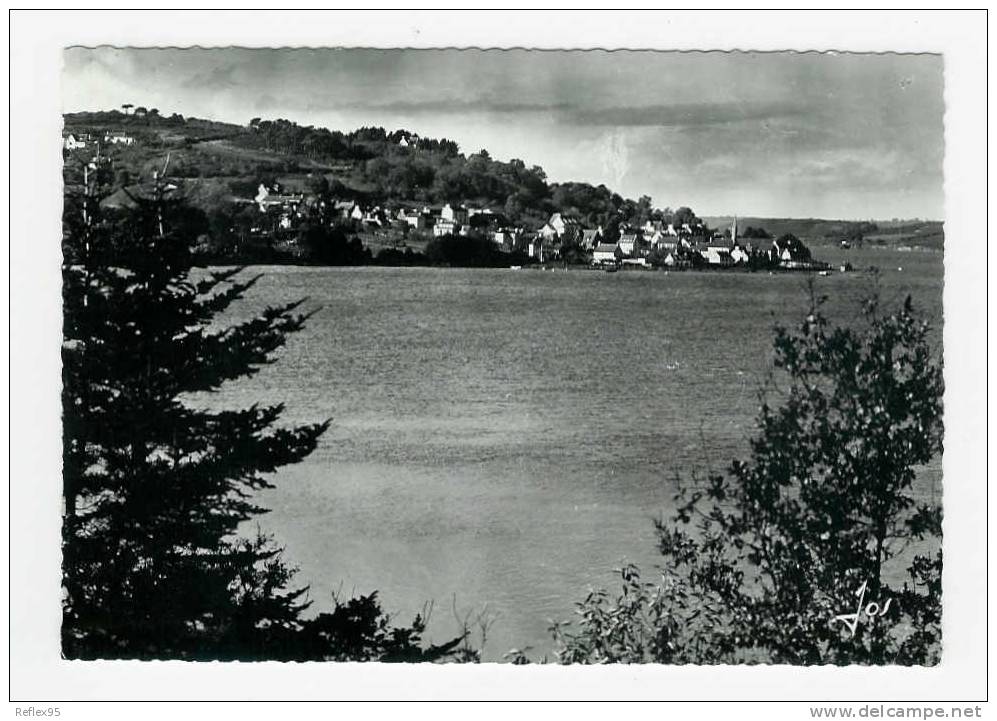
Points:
919	233
149	123
224	161
371	165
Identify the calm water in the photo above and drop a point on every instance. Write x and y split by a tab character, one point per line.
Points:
509	437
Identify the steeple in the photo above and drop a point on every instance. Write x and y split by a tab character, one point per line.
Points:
733	230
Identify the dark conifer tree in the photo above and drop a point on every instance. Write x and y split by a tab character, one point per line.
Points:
156	490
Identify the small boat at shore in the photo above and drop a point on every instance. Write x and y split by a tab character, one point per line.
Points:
611	268
515	267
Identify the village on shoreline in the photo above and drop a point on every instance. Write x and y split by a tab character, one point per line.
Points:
562	239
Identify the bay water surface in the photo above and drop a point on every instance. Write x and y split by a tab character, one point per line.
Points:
501	440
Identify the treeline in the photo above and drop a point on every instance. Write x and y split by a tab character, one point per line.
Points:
804	227
285	136
315	244
138	118
231	234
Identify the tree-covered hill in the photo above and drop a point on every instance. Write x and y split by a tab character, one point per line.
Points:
148	122
370	164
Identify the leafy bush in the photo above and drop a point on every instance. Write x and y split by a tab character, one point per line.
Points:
761	560
464	252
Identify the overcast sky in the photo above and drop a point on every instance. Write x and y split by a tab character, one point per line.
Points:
760	134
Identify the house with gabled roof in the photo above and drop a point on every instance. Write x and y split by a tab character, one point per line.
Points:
561	227
418	219
677	259
653	226
454	213
75	142
607	253
344	208
444	227
718	254
591	238
117	138
662	240
375	216
791	249
504	238
273	196
631	244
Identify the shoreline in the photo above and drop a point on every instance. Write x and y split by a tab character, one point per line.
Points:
208	262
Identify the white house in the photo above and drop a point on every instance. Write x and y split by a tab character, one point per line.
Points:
119	139
456	215
630	244
717	255
662	240
506	237
444	227
374	216
739	255
653	226
560	227
73	142
269	197
263	193
416	219
790	250
607	253
343	208
674	260
562	224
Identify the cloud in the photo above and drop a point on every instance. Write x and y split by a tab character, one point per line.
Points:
682	114
217	78
265	102
438	106
677	115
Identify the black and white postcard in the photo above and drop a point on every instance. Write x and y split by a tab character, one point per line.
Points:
410	351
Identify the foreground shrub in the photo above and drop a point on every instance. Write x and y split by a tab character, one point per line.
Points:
767	562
